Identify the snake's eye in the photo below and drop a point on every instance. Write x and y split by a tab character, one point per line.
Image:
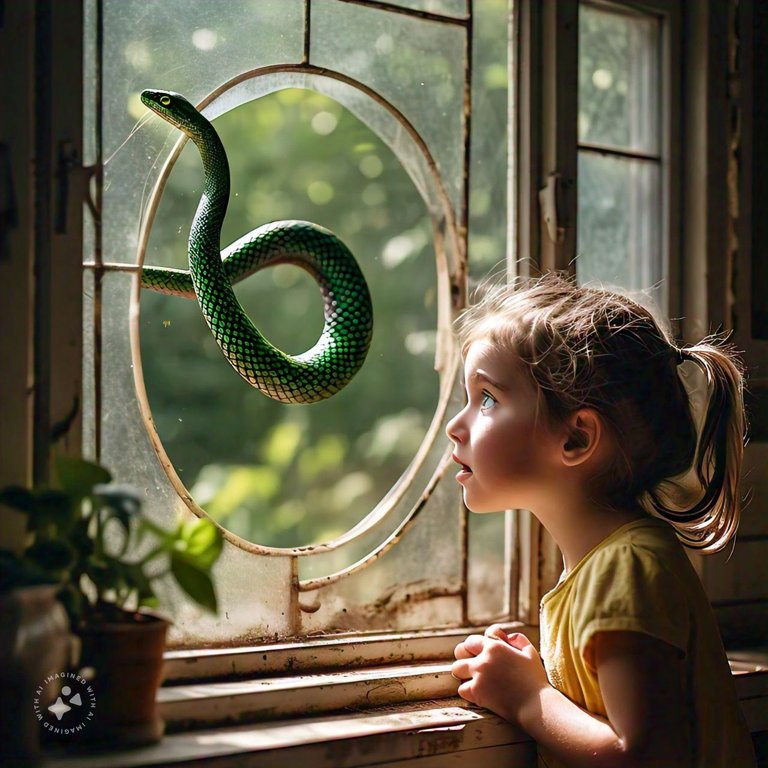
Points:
165	100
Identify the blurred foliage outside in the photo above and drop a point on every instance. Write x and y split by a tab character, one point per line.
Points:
294	475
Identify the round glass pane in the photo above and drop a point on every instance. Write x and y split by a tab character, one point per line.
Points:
272	474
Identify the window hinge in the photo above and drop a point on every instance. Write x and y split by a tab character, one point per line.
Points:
548	196
69	170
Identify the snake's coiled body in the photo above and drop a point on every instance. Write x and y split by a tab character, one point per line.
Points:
341	349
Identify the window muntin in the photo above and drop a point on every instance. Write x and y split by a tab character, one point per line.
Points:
377	577
620	186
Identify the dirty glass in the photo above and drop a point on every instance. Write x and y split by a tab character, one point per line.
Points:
619	87
456	8
620	192
364	133
619	239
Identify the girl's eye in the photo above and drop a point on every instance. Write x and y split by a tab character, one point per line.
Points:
487	402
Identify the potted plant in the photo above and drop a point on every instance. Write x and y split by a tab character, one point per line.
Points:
34	644
90	538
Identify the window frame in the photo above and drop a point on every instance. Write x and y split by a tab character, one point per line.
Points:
42	386
547	153
548	145
545	142
41	397
298	613
45	393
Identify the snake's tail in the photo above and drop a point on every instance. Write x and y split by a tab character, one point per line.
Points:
171	282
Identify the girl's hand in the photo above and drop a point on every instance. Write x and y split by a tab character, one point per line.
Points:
500	672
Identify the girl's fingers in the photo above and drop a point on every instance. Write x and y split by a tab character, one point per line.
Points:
496	631
519	641
472	646
460	670
465	691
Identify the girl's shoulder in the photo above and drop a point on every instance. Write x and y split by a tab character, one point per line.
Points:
648	540
643	550
648	535
638	579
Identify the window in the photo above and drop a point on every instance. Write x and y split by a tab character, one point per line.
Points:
41	257
353	115
620	205
607	98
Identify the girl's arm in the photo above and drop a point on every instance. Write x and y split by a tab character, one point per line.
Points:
641	681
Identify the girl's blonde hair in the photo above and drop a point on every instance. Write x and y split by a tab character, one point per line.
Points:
592	348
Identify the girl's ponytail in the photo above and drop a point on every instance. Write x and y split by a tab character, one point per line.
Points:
710	523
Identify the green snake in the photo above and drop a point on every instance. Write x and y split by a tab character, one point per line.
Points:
340	351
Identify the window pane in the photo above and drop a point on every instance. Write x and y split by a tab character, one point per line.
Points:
355	146
619	85
190	47
454	8
410	62
619	221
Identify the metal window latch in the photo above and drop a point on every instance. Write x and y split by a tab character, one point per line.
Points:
9	214
67	162
548	203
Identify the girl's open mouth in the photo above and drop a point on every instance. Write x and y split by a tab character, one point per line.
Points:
464	472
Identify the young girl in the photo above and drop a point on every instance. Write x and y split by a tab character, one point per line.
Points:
576	411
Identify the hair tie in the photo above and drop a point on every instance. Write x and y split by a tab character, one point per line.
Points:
681	355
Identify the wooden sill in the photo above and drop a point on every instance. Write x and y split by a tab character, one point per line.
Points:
750	673
348	717
346	740
354	651
184	707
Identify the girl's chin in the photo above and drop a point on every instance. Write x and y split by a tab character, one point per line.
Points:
477	507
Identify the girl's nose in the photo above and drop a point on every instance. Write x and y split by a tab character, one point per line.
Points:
455	428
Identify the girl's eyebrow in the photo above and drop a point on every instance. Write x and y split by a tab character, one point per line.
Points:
483	376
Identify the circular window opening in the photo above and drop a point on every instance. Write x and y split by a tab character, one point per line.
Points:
289	476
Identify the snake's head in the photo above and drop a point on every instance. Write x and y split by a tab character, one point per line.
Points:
173	108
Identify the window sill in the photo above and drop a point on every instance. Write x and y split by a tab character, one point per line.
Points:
354	651
348	716
750	673
425	731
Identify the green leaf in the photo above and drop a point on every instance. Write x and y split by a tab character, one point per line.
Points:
123	500
194	581
52	555
54	508
80	539
138	580
149	601
78	476
16	572
17	498
107	574
202	542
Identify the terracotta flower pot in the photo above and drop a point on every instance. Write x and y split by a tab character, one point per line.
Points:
125	660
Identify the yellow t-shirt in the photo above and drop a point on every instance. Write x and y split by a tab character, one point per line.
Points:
639	579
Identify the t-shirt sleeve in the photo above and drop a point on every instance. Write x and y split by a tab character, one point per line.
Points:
627	588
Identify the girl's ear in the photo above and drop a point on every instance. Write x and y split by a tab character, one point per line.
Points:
584	430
